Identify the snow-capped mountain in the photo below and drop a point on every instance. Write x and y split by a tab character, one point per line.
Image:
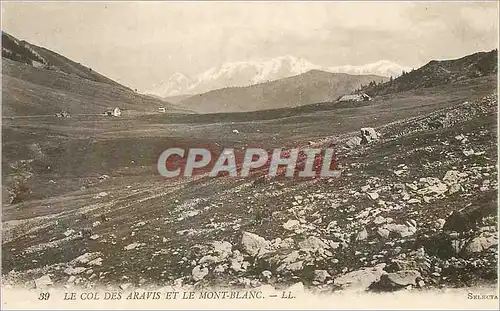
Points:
383	68
254	72
175	85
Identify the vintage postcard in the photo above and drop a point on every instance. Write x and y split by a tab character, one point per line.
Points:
251	155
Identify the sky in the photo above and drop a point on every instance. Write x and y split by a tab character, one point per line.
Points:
142	43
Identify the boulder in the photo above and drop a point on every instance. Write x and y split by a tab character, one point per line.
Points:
361	279
353	142
95	262
291	224
397	280
481	243
87	257
452	177
384	233
223	249
266	274
403	278
402	230
74	270
312	243
253	244
132	246
362	235
43	282
198	273
236	261
454	188
321	276
368	135
373	195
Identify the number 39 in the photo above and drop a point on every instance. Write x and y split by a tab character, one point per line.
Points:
44	296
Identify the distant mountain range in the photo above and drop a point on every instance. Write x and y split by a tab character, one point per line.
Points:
441	72
314	86
237	74
38	81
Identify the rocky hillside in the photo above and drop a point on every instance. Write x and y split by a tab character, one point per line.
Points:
314	86
440	72
414	210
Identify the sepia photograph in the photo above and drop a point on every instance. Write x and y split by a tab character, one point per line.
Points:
249	155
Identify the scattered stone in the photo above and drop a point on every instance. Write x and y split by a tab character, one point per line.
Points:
43	282
253	244
132	246
321	276
384	233
461	138
96	262
87	257
266	274
399	172
74	270
101	195
440	223
404	277
69	232
373	195
481	243
291	225
398	280
362	235
222	248
361	279
236	261
312	243
402	230
199	273
454	188
353	142
468	153
295	266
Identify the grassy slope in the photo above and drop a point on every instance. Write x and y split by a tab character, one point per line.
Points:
37	81
82	148
27	90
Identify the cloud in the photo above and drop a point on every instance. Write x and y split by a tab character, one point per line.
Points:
141	43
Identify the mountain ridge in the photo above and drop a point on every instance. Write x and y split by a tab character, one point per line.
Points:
241	74
311	87
438	72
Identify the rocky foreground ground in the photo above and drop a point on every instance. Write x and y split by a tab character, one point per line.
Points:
415	209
